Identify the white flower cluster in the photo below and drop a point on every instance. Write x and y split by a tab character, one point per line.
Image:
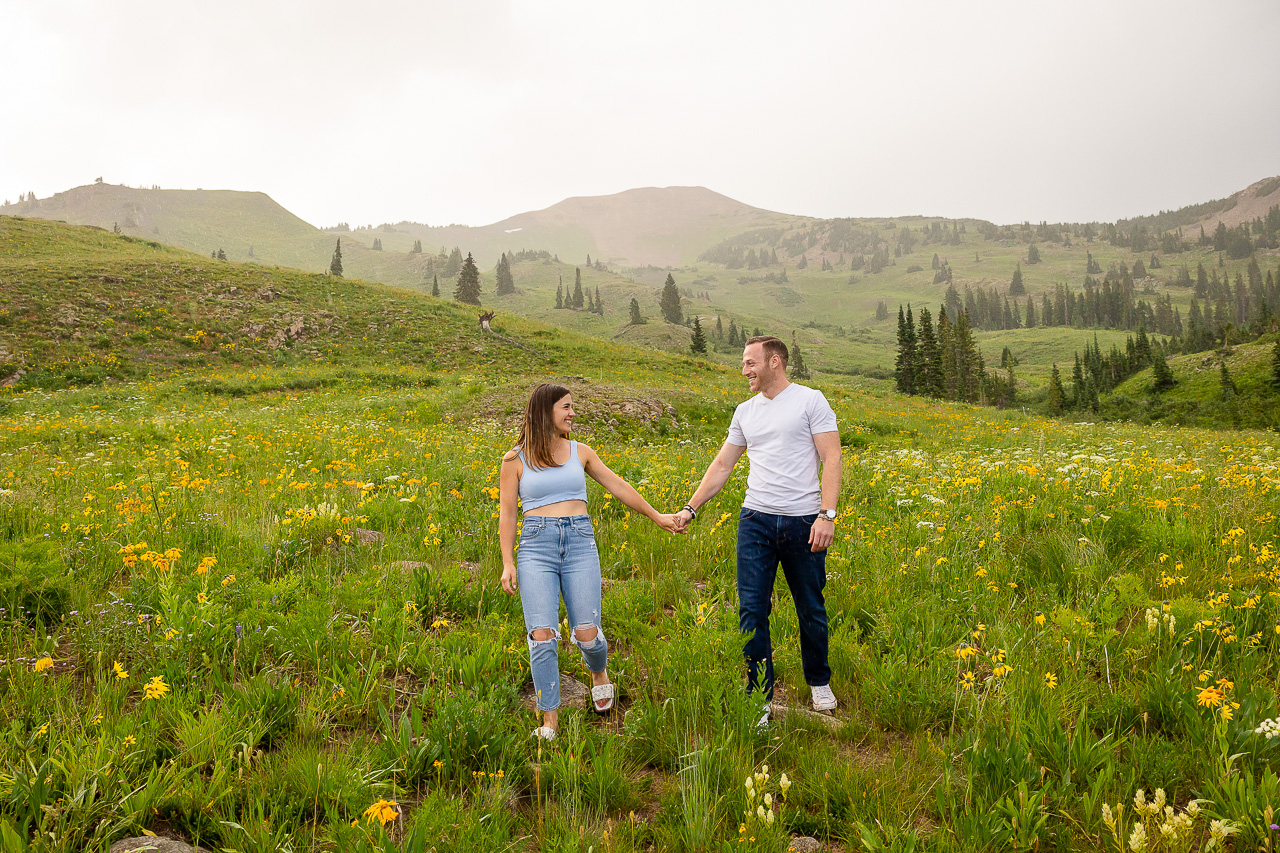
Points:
1158	825
1155	617
1269	728
756	785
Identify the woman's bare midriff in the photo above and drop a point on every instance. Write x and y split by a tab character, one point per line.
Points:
560	509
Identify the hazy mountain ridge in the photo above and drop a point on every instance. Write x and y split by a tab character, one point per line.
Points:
1244	206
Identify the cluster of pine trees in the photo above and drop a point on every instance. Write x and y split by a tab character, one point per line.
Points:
579	299
445	264
1094	373
945	363
1223	312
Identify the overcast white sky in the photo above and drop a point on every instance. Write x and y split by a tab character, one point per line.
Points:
475	110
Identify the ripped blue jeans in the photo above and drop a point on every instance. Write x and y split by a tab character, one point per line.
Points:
557	557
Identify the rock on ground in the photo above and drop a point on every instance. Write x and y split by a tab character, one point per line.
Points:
154	845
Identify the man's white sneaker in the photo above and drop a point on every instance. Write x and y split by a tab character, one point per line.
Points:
823	698
763	723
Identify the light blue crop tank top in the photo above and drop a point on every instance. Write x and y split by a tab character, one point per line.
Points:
542	486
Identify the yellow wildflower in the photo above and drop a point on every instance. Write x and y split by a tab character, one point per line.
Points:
156	688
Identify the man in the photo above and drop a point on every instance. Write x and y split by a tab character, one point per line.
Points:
788	516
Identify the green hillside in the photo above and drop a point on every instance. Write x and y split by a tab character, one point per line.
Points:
822	281
80	305
245	226
1248	399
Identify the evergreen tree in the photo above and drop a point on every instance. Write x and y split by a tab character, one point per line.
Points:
599	302
797	367
506	283
1077	384
698	343
1057	398
734	340
1229	389
560	293
377	244
1162	376
968	361
670	302
417	248
905	365
1016	287
719	329
1031	314
591	303
578	299
335	266
468	287
1275	365
435	285
928	374
222	256
1033	254
636	319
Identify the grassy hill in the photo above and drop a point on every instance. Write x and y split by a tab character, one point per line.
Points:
79	305
246	226
1201	397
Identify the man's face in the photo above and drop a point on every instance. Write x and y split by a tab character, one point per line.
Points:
760	373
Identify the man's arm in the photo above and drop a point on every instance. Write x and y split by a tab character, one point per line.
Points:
714	479
823	532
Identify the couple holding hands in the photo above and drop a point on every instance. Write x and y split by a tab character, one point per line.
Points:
788	519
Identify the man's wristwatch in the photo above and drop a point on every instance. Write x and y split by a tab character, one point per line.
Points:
828	514
692	513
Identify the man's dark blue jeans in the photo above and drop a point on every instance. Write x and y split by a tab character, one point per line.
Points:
764	542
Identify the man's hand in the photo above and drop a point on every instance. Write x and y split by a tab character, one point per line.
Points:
683	517
672	523
822	534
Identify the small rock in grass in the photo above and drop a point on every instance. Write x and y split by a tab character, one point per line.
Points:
152	844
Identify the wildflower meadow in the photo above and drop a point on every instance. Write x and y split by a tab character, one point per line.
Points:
256	606
272	621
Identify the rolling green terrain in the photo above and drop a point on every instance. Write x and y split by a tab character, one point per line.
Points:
830	305
248	592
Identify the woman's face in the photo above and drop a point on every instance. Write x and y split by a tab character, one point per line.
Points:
562	415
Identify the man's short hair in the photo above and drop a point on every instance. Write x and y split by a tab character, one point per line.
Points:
772	346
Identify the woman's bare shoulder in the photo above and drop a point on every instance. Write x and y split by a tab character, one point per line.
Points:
512	454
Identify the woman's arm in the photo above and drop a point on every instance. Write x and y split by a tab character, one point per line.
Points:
508	496
621	489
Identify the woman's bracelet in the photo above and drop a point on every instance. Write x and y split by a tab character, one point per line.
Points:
692	512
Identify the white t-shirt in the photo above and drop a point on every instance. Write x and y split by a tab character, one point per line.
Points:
778	435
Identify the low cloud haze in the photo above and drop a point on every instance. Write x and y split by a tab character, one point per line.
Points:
471	112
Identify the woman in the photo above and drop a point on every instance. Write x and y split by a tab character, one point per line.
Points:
547	472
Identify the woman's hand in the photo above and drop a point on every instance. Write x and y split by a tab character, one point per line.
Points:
509	580
671	522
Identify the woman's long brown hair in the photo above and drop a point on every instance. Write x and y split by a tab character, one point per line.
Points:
538	433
